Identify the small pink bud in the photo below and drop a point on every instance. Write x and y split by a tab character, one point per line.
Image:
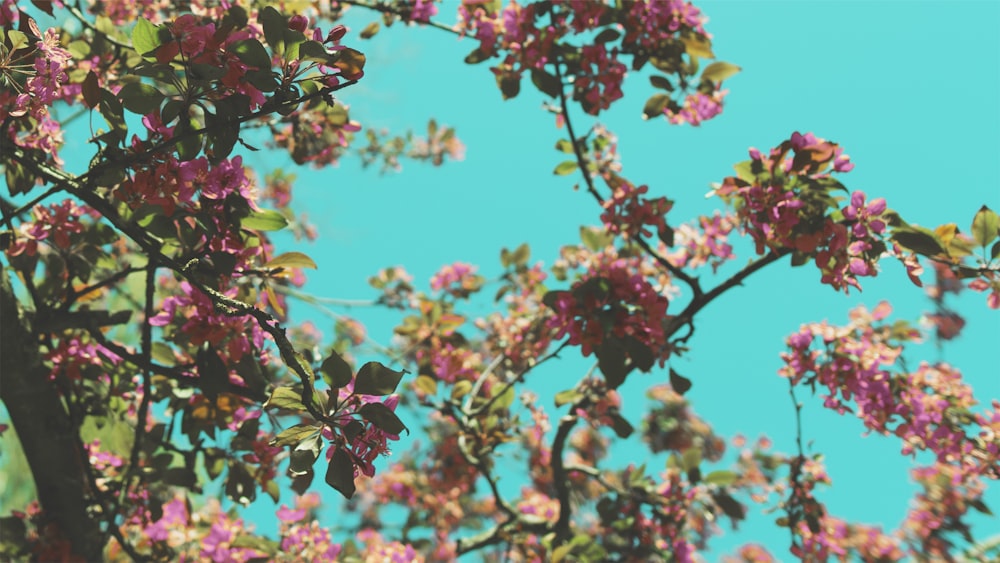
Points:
336	33
298	23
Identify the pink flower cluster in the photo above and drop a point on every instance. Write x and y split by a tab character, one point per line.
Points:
616	301
46	80
697	108
526	35
783	203
706	243
628	212
54	224
200	323
927	408
371	442
600	83
458	279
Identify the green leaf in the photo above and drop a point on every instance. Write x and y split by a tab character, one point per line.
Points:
476	56
293	435
985	226
510	85
697	45
565	146
256	543
189	145
730	506
383	418
240	485
340	473
505	400
567	167
721	478
251	52
567	396
18	40
621	426
336	371
719	71
274	25
460	389
291	260
145	37
427	384
140	98
370	30
546	82
640	354
315	52
285	398
595	239
351	63
263	80
691	458
680	383
661	82
213	374
918	240
301	461
376	379
607	34
223	135
611	360
264	220
655	106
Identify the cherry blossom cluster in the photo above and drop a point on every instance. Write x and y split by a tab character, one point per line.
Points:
785	202
705	243
697	107
458	280
530	37
632	214
928	409
612	300
54	224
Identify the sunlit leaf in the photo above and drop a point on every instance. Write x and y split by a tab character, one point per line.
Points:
285	398
566	167
719	71
264	220
985	226
291	260
145	37
293	435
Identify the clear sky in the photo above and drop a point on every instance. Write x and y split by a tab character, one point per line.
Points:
910	89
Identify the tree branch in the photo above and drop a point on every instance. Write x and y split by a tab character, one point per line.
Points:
44	427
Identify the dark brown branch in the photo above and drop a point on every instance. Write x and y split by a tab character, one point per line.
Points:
45	429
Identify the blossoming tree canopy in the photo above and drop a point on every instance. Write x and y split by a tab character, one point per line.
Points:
151	360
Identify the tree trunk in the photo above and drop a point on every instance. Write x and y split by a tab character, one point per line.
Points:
47	434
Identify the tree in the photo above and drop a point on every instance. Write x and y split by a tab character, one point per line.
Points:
144	306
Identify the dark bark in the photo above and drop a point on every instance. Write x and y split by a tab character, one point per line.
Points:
48	435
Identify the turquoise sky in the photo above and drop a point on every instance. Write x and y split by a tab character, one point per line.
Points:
910	89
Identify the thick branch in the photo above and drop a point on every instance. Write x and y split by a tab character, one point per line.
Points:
45	430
